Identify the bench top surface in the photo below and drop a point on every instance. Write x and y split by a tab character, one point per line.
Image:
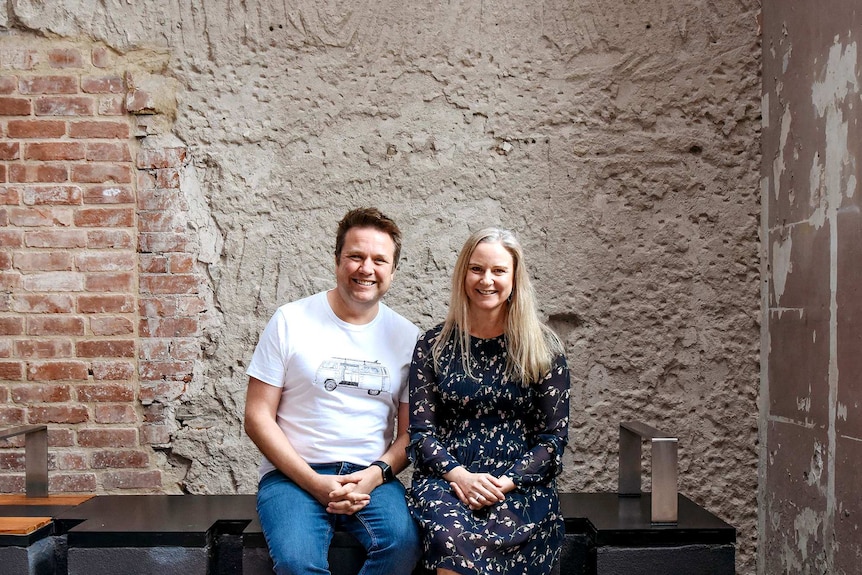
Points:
186	520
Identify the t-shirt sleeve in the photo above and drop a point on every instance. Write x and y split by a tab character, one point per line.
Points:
268	361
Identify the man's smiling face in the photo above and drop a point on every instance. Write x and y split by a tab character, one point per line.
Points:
365	268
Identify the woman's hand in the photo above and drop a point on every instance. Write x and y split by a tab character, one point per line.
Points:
478	490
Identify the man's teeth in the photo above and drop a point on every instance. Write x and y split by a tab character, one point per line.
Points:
364	282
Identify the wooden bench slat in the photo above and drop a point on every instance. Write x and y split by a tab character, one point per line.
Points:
21	499
22	525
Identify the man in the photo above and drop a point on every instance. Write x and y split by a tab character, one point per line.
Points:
326	381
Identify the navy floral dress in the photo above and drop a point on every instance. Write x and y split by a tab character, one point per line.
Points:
494	425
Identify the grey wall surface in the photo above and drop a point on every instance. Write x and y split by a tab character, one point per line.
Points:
618	139
812	230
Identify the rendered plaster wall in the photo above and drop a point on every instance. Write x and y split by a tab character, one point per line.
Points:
619	139
811	435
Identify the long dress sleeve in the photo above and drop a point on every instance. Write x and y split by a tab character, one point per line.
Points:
424	449
551	429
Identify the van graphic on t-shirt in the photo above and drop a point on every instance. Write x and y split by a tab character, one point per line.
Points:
371	376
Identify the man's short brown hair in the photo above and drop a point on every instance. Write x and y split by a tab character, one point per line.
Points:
368	218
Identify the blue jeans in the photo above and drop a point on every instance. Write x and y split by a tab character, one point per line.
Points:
298	529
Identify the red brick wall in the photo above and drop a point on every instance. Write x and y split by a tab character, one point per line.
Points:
98	296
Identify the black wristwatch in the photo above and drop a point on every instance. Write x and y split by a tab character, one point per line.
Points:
385	468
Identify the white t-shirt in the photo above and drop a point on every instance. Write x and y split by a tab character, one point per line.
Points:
341	383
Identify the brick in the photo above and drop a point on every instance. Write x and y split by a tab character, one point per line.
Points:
5	351
109	282
48	85
170	284
44	303
12	460
112	105
61	438
164	391
5	260
16	58
55	325
101	173
11	415
154	413
166	371
10	281
43	349
11	370
172	221
104	129
4	394
101	262
108	194
43	261
10	150
182	263
162	242
149	159
65	58
153	264
108	326
11	106
71	482
41	173
111	84
56	239
100	239
57	370
64	106
53	195
155	349
67	461
3	178
57	414
105	348
161	199
102	57
40	393
11	483
105	304
114	437
115	413
8	85
108	152
11	325
151	480
55	151
168	327
113	370
119	459
39	216
54	282
105	392
35	129
190	305
10	196
139	101
105	217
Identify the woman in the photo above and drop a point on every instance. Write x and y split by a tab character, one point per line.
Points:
489	414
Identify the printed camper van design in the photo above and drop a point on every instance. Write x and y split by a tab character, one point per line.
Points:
371	376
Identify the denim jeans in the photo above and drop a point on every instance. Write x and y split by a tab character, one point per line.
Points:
298	529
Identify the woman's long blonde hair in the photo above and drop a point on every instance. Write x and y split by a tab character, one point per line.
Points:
530	344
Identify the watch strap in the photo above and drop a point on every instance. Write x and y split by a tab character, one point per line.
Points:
388	475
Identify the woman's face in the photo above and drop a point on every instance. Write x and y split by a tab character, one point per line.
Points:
490	277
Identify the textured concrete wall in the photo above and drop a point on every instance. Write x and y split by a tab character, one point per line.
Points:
619	139
812	227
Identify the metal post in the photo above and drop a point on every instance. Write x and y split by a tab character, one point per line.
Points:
35	457
36	463
663	450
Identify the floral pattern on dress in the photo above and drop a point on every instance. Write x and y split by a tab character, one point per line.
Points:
491	424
